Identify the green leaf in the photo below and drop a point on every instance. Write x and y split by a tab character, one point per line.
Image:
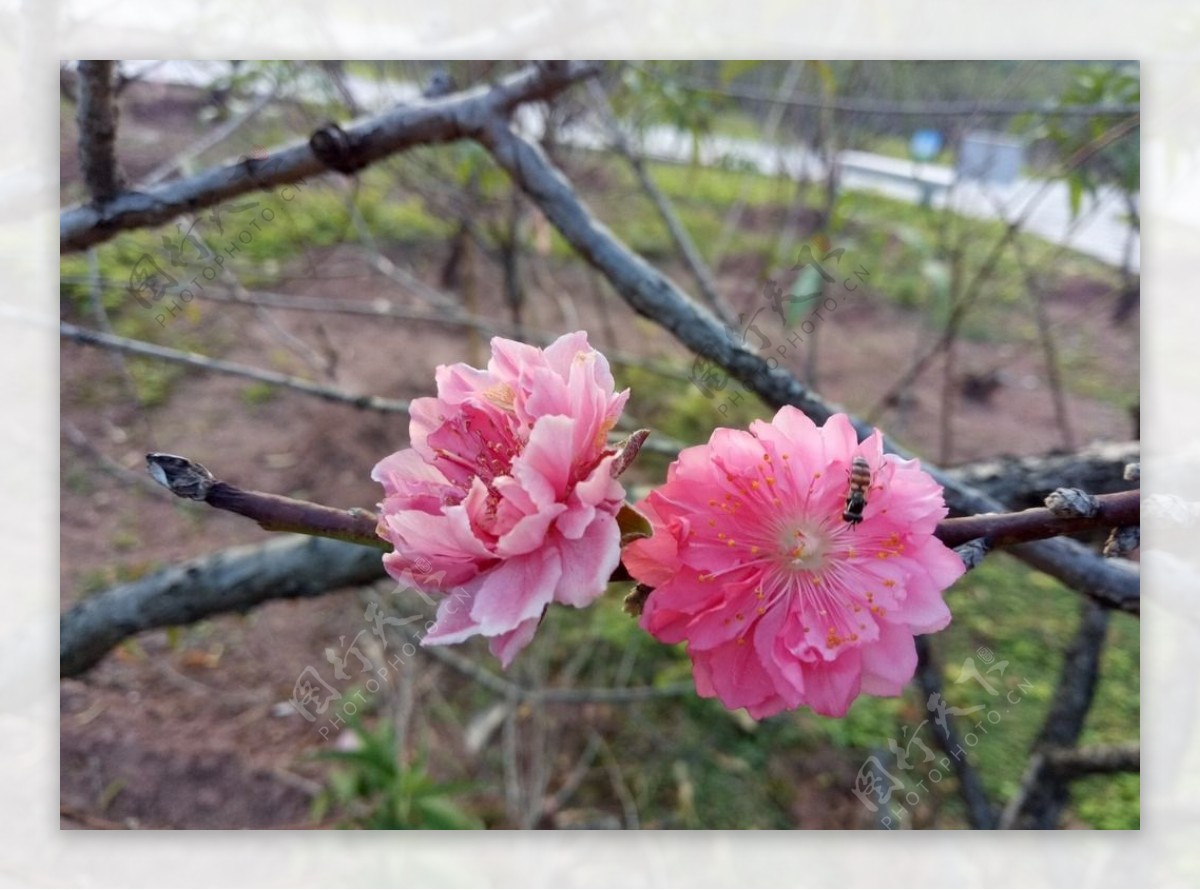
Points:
441	813
633	525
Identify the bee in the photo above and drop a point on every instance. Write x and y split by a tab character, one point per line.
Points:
856	497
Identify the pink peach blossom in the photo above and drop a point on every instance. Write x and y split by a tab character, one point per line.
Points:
781	601
507	495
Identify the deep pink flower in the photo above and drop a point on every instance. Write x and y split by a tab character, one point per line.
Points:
781	601
507	495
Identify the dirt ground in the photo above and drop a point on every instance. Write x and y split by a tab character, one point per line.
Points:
193	730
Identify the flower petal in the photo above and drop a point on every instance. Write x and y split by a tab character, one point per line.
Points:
889	665
830	686
589	562
515	591
544	467
454	622
506	646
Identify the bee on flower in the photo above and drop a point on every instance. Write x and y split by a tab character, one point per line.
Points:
786	588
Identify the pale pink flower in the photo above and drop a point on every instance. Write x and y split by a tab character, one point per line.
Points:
507	495
781	601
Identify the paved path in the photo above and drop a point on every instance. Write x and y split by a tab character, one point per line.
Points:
1101	229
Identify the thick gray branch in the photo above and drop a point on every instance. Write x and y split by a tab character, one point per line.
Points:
96	116
234	580
1025	481
422	123
1115	584
1074	763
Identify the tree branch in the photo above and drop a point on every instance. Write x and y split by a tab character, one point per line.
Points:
1004	529
428	122
138	347
1025	481
661	445
168	597
1075	763
96	116
923	108
192	481
188	479
234	580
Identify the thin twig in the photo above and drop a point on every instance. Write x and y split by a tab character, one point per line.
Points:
138	347
96	287
733	217
192	481
574	779
575	696
1049	351
79	439
683	241
208	142
616	777
387	268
